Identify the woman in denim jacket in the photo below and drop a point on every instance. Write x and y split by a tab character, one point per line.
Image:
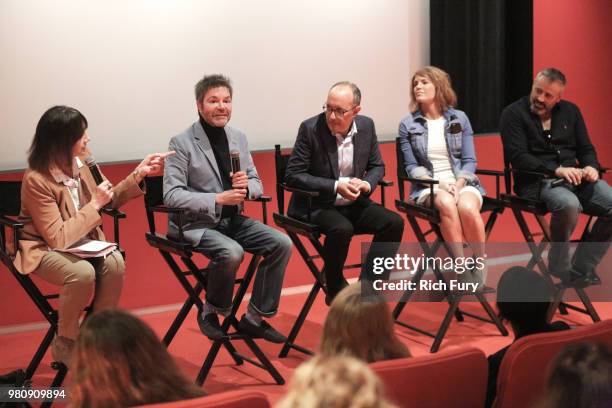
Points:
437	143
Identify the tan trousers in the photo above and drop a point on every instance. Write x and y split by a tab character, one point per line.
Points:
80	279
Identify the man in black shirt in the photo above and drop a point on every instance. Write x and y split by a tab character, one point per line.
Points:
543	133
200	179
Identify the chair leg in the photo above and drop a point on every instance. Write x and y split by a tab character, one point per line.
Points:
289	344
265	361
586	301
445	324
178	321
492	315
40	352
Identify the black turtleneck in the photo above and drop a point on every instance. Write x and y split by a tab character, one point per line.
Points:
220	146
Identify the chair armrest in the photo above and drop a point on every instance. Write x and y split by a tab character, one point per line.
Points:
166	210
486	172
15	226
264	200
298	191
497	174
305	193
116	215
430	182
385	183
113	212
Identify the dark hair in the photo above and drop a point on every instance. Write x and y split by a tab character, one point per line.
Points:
354	89
523	298
120	362
58	129
209	82
359	324
553	74
581	377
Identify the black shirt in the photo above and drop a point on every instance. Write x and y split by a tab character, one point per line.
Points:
220	146
528	147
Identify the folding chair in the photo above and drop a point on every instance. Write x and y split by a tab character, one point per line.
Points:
520	206
168	248
10	205
297	228
415	212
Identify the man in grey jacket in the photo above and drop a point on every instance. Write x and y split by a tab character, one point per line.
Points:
199	178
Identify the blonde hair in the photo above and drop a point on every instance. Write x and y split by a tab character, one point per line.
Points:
445	95
359	324
336	382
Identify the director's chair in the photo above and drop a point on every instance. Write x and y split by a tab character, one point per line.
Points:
537	207
10	206
298	229
169	249
415	212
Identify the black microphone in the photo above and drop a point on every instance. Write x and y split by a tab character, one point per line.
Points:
95	171
235	159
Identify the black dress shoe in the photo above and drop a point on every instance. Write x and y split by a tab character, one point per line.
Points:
263	331
577	280
209	325
593	278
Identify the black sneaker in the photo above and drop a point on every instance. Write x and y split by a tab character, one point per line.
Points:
209	325
263	331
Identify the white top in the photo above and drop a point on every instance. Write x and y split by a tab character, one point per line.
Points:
71	183
437	151
345	161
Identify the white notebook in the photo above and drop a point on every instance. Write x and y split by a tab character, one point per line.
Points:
90	248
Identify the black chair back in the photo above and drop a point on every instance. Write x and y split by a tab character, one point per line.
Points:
154	196
401	168
280	161
10	197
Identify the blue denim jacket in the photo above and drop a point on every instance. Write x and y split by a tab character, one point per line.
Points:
459	142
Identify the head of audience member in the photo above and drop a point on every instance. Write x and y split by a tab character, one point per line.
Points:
339	382
120	362
60	136
581	377
523	299
431	88
546	91
359	324
342	105
214	99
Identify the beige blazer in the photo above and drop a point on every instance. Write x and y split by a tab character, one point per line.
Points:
51	220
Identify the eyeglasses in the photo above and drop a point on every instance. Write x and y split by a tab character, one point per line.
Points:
339	112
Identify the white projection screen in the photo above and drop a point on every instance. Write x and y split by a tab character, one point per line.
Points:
130	65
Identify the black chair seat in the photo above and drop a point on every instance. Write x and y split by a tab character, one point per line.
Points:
536	207
297	226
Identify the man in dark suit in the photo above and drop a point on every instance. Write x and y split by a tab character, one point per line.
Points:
336	154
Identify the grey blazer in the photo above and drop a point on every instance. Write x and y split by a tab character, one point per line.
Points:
192	180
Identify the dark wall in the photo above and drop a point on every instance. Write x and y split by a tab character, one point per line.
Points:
486	47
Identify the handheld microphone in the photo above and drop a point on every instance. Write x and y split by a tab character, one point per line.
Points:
93	168
235	159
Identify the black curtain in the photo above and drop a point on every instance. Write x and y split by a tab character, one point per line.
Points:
487	48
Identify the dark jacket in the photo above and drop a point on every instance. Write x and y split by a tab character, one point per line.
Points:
313	164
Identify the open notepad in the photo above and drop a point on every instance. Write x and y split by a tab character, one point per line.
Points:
90	248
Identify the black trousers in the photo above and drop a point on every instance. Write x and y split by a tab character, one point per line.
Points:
340	223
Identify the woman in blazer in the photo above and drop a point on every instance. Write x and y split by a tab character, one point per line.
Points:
60	206
437	143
